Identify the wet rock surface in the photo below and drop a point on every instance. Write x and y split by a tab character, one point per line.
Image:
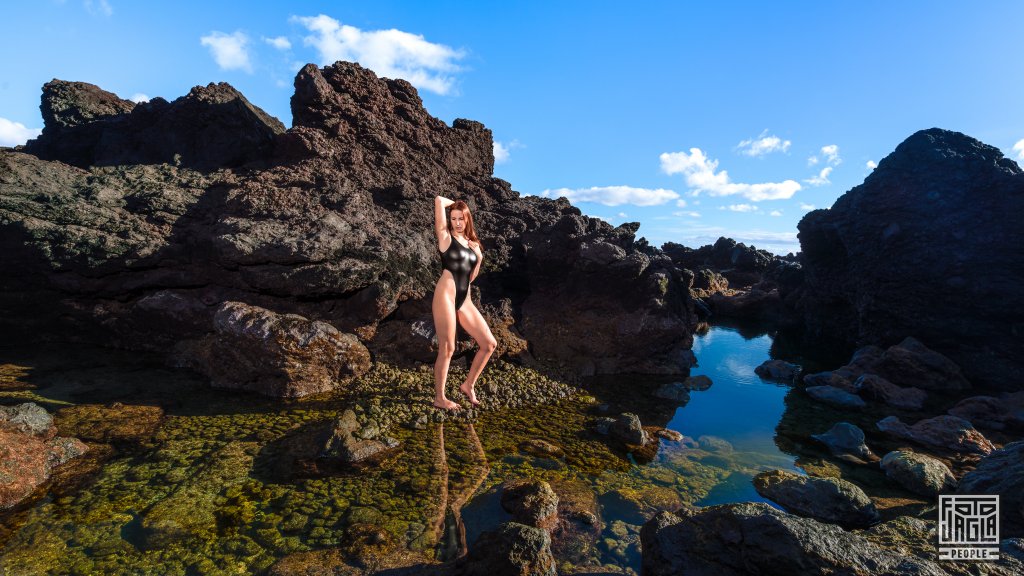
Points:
831	500
754	537
918	473
846	441
30	451
945	432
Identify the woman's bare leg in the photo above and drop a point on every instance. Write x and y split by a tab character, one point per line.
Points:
473	322
444	325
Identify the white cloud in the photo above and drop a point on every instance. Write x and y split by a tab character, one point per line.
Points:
775	213
621	215
681	203
696	235
391	53
502	151
614	195
830	154
687	213
807	207
97	8
763	144
701	176
871	165
139	97
739	208
229	50
15	133
1019	149
822	177
280	42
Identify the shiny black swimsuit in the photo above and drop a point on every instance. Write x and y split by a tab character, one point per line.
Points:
460	261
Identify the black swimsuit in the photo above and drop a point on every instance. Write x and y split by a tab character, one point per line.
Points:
460	261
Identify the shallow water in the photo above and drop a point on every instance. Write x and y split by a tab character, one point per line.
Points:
208	486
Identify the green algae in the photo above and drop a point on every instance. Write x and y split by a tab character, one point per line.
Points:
199	482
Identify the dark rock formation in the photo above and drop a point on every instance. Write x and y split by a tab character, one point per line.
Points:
333	222
945	432
512	550
778	370
531	502
1001	472
754	538
1003	413
282	355
928	246
212	127
846	441
831	500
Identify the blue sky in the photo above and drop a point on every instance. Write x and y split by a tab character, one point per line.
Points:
697	120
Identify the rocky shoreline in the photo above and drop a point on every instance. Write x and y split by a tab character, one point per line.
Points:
299	263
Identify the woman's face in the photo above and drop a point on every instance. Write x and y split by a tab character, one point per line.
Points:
458	221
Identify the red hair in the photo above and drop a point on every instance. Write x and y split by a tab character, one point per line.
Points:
470	230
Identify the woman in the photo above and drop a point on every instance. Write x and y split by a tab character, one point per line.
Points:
460	260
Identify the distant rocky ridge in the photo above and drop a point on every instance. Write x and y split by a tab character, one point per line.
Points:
928	246
131	224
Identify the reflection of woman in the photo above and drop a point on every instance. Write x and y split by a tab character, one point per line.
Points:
460	258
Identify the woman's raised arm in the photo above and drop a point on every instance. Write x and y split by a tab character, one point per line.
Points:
440	222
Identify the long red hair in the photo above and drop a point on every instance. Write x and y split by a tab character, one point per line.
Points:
470	230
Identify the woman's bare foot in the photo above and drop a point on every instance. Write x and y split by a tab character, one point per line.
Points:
447	404
471	394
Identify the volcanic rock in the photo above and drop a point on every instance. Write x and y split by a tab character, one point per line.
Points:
831	500
943	432
920	249
745	538
918	473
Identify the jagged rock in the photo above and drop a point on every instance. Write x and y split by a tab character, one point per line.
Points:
943	432
667	434
874	387
835	397
512	549
1001	472
282	355
531	502
627	428
894	257
334	225
831	500
1003	413
213	126
778	370
846	441
745	538
911	363
918	473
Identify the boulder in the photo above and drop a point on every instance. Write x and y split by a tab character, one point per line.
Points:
755	538
778	370
512	549
918	473
835	397
831	500
1002	473
627	428
531	502
284	355
944	432
846	441
874	387
1003	413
